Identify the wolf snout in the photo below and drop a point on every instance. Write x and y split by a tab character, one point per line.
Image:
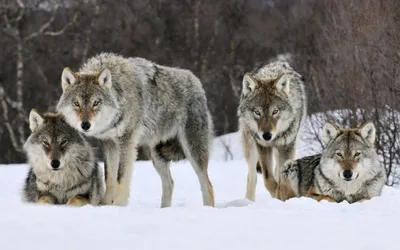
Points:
267	136
347	174
85	126
55	164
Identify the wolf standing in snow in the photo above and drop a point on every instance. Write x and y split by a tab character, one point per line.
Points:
271	112
348	168
62	165
129	102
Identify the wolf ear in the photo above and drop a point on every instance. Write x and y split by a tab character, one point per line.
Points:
68	78
35	120
249	83
282	84
105	78
368	131
330	131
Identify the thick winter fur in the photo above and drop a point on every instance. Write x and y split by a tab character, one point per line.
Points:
62	165
127	102
271	111
347	170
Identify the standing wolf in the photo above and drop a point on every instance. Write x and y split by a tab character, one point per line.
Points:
348	168
129	102
62	165
271	111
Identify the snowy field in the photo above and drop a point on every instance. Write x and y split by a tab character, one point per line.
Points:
235	224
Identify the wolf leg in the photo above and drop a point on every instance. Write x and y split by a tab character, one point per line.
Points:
250	153
277	169
199	162
283	154
127	156
78	201
265	159
162	167
111	163
195	144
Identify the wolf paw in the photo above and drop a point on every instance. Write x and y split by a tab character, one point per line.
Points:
45	200
320	198
77	202
290	169
109	198
364	199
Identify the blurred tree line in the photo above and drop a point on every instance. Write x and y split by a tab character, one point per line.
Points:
348	51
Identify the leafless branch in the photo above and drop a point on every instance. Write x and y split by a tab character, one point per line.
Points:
43	28
227	147
16	144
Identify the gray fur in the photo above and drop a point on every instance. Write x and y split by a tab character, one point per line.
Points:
275	87
322	174
147	104
78	174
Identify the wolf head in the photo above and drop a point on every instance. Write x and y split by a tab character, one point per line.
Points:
52	143
86	100
266	106
349	153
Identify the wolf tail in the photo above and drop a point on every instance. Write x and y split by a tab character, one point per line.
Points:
259	168
171	150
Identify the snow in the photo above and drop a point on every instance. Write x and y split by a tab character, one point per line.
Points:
234	224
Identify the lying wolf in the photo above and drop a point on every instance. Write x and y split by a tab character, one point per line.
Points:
62	165
347	170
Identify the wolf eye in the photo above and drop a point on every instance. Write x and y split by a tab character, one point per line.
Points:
96	103
276	111
76	104
357	154
63	142
46	144
257	113
339	154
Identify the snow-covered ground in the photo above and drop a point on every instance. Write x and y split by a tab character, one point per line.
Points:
235	223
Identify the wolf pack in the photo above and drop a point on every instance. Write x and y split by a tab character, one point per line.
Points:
129	102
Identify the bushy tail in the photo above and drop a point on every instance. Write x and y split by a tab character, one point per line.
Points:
171	150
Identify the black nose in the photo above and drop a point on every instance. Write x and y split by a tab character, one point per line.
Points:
55	164
267	136
347	174
85	126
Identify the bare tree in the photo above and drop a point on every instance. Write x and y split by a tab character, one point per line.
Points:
13	15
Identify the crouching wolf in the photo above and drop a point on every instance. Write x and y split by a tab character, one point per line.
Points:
347	169
131	102
271	111
62	165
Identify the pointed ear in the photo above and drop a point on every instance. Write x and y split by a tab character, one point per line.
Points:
368	131
104	78
68	78
35	120
330	131
282	84
249	83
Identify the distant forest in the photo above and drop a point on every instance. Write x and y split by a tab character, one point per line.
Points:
348	51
